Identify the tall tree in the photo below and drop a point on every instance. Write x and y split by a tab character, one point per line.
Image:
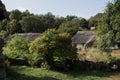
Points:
109	26
3	24
15	14
53	45
31	24
93	21
71	26
13	27
83	23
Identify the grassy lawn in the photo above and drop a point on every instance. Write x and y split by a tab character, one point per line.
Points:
27	73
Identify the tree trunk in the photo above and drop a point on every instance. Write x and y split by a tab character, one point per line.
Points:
2	65
3	15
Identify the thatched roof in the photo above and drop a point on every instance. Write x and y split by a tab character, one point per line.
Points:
83	37
30	36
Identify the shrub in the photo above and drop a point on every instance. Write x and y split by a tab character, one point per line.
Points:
17	48
45	46
64	49
3	34
52	45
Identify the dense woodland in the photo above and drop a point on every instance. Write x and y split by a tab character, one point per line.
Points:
25	22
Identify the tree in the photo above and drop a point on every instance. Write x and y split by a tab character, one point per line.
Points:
83	23
93	21
70	17
3	34
45	46
53	45
15	14
64	49
26	13
48	21
70	26
31	24
17	48
109	26
3	24
13	27
59	21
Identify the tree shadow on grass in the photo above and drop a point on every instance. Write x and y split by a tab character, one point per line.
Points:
14	75
89	73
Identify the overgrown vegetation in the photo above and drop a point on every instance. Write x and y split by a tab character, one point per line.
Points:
52	46
21	22
108	31
17	48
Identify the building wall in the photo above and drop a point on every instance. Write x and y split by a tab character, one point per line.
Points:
113	47
79	46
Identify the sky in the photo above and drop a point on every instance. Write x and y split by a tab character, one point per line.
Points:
80	8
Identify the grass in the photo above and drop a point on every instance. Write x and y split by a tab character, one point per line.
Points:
95	55
116	53
28	73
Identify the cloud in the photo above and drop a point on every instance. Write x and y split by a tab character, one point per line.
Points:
22	8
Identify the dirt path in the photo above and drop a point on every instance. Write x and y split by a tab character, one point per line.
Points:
114	77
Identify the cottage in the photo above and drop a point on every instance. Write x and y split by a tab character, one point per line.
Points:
83	39
30	36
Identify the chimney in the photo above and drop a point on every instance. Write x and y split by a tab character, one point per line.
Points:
92	28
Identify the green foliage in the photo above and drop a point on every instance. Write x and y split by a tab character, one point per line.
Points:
26	22
59	21
17	48
3	34
70	17
31	24
44	46
109	26
70	26
93	21
53	45
64	49
13	27
3	24
48	20
37	23
83	23
15	14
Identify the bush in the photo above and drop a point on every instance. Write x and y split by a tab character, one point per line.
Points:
16	48
3	34
53	45
45	47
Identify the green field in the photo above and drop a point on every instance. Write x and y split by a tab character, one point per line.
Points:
27	73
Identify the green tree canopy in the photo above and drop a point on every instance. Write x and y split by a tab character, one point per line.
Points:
31	24
70	26
53	45
15	14
13	27
109	26
17	48
93	21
